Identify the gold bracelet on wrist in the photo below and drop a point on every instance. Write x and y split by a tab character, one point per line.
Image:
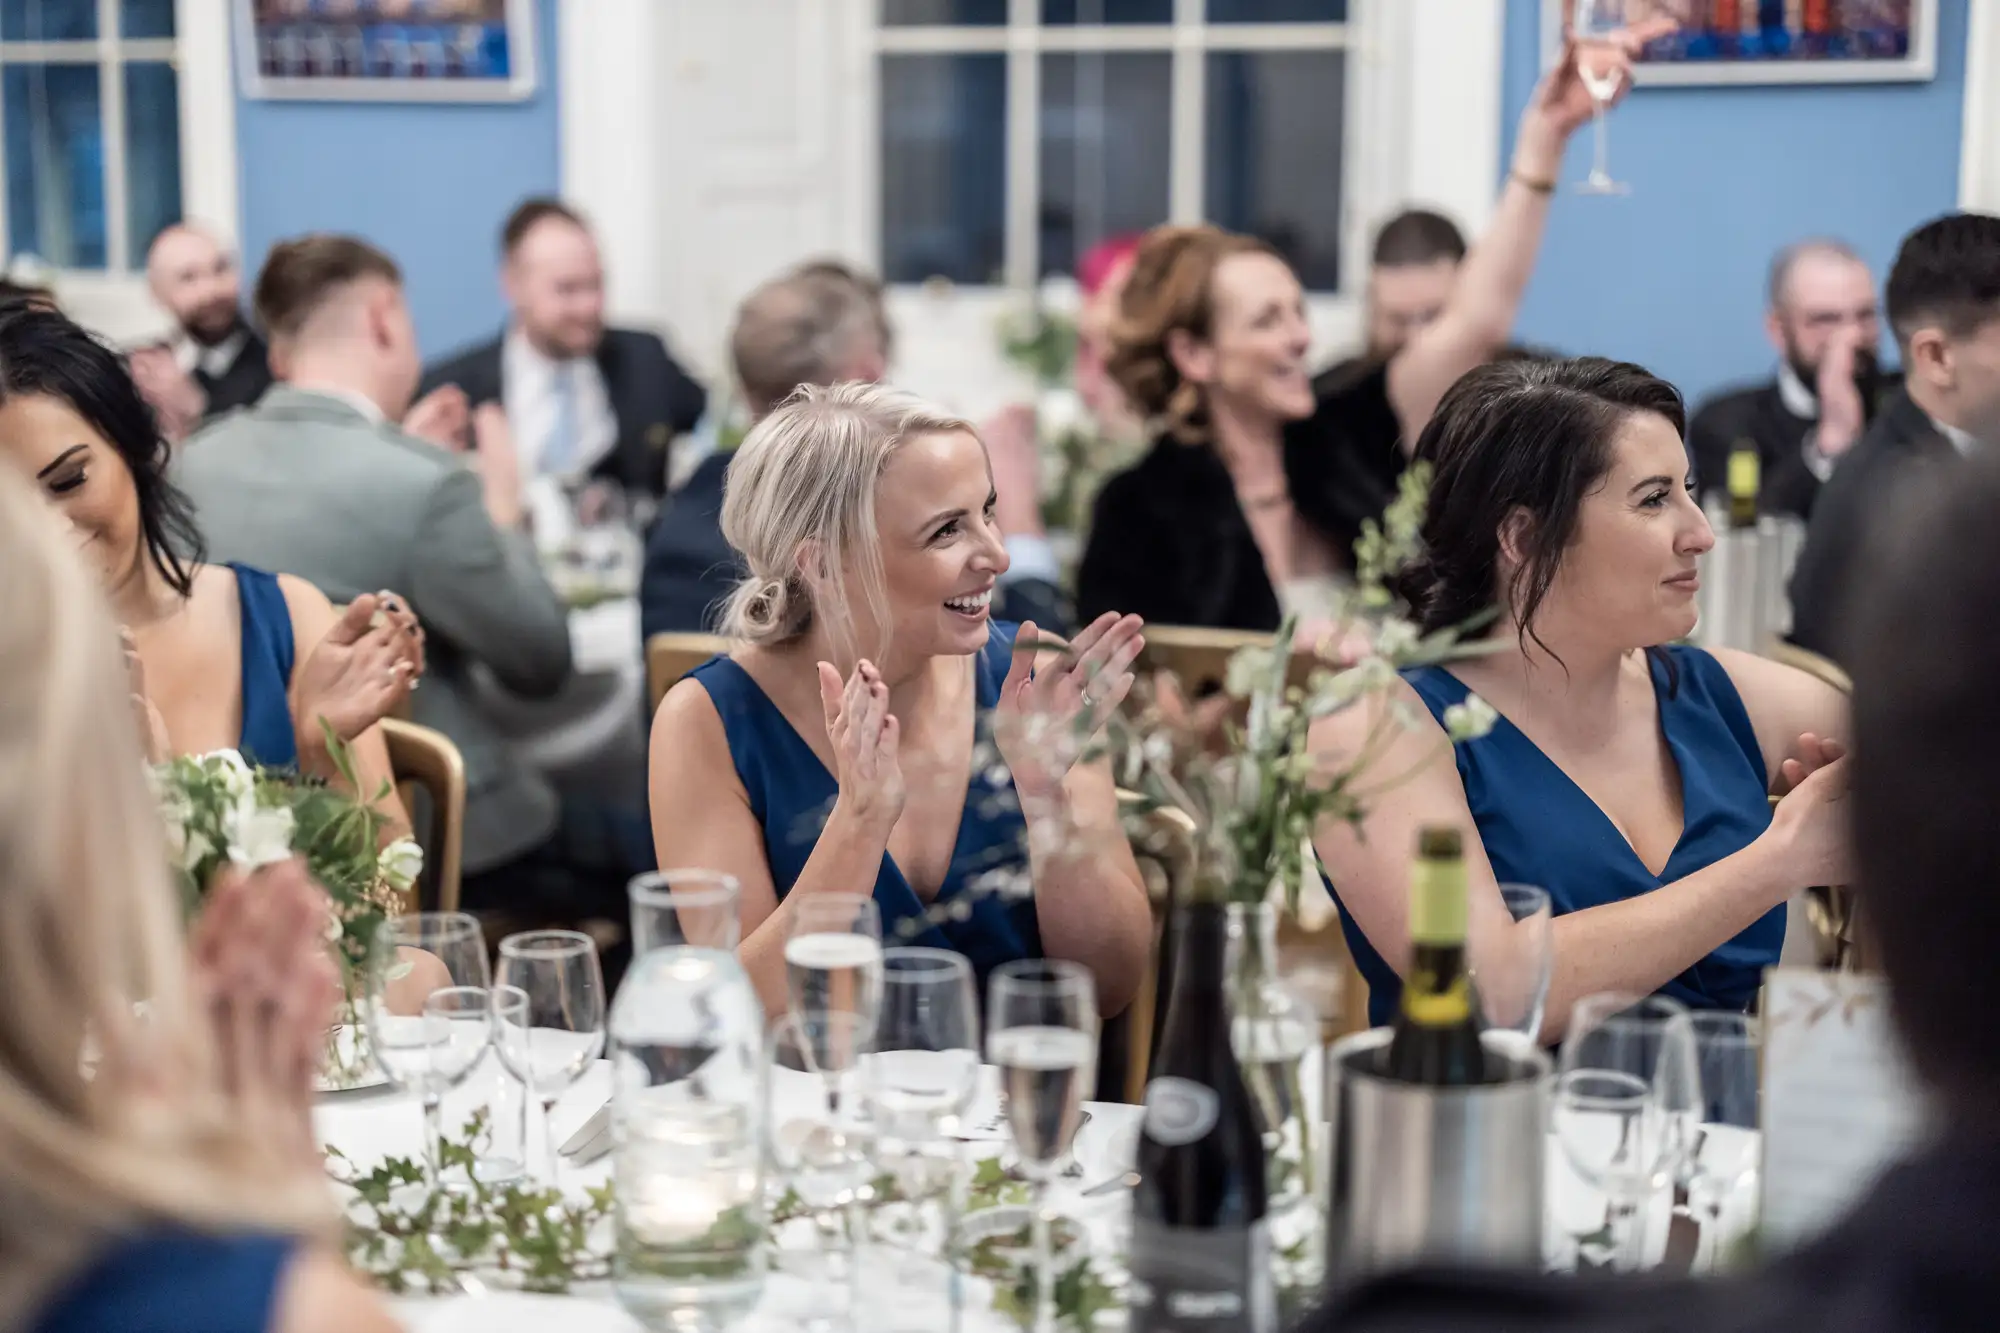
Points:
1535	183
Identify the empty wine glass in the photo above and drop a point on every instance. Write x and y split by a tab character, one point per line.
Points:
693	908
1626	1099
457	1027
1513	974
410	959
559	972
1042	1033
1723	1158
825	1156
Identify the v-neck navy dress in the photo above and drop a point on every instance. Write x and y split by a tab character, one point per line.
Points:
1540	828
791	793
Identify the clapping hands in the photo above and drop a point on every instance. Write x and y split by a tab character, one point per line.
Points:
864	736
361	671
1047	710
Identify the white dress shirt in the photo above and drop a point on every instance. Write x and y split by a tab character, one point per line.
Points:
531	389
213	362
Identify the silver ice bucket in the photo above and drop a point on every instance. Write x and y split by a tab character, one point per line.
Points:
1745	597
1435	1174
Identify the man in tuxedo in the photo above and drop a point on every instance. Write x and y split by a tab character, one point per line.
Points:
1944	307
1822	319
585	401
1410	275
1915	1252
317	480
215	361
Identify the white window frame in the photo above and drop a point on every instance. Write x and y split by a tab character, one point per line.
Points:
113	299
1979	144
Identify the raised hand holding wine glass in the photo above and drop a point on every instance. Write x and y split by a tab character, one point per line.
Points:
559	973
1594	72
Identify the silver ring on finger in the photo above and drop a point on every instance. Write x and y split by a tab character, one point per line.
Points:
1083	696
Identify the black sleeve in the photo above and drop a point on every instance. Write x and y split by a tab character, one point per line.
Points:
1709	442
1823	580
1026	599
686	399
1123	566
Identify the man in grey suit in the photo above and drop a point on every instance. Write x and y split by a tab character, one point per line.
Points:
317	480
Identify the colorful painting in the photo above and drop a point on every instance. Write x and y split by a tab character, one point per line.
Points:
387	50
1784	41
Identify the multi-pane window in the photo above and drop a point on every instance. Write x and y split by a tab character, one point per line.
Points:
1016	134
90	131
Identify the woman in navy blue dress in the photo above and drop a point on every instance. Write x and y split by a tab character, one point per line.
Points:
222	656
1627	775
158	1175
843	746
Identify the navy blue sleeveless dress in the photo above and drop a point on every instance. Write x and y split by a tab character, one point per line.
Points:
268	653
1540	828
174	1282
791	793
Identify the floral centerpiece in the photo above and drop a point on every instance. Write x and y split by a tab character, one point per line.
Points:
220	811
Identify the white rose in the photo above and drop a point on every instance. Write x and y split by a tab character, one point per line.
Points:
259	835
1059	413
235	775
400	863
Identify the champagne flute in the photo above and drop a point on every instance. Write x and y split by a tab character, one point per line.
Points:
825	1158
1513	974
564	1032
833	956
1627	1097
1596	24
1723	1156
1042	1033
411	958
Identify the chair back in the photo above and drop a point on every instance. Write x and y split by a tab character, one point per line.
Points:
1163	842
1198	658
1819	668
671	656
425	759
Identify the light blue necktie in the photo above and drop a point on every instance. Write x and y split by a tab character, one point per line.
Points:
559	452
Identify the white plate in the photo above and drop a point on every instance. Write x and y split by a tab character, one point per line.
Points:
512	1312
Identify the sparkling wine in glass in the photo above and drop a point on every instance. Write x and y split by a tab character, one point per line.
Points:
1042	1033
833	956
1596	24
564	1031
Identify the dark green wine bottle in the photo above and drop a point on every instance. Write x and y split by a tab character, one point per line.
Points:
1436	1040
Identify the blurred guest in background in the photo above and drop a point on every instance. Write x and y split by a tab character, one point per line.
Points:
222	656
1247	506
1410	273
1101	275
215	362
316	482
584	400
834	749
1914	1252
1823	321
1629	779
1944	307
174	1184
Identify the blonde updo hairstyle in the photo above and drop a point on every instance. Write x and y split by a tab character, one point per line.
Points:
90	927
799	507
1171	289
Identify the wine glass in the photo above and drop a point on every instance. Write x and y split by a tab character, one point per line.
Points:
1724	1155
411	958
925	1065
1596	25
833	956
826	1158
1627	1095
692	908
564	1030
456	1028
1042	1033
1513	974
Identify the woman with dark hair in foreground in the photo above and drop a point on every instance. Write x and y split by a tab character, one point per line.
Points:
222	656
1628	775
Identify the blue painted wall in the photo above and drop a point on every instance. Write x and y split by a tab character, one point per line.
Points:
1672	276
428	182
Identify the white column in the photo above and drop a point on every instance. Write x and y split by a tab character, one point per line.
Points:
609	54
210	189
1979	147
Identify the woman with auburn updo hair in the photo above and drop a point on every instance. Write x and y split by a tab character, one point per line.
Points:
1628	775
838	748
157	1172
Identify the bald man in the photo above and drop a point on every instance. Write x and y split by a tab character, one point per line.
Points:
214	362
1824	321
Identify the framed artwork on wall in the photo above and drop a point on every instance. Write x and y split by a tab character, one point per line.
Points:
1780	41
387	50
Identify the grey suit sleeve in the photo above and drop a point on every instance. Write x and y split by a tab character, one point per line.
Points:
483	590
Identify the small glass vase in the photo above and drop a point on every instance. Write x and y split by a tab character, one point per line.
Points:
1276	1038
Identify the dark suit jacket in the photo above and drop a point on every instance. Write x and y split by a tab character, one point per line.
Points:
690	570
1759	414
243	383
1915	1256
652	397
1847	517
1169	541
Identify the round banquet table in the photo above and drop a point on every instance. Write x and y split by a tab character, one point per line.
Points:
369	1125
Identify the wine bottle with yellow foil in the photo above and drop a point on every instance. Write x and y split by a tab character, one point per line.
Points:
1745	481
1436	1040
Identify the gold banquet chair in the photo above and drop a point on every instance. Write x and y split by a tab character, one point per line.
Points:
1839	940
671	656
421	758
1163	841
1197	658
1819	668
